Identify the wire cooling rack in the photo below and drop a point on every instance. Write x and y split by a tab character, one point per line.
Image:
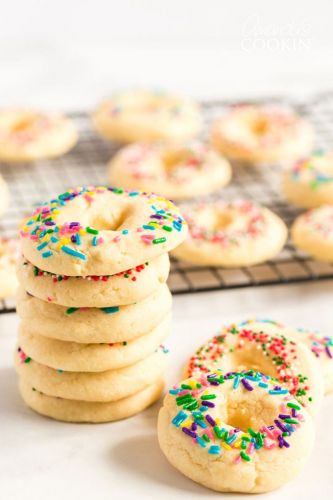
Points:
86	164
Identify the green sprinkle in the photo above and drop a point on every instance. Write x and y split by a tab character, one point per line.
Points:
208	396
91	230
218	432
157	241
167	228
27	360
291	421
206	438
186	386
72	310
245	456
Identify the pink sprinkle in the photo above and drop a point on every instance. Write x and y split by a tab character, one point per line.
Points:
209	433
181	393
238	459
88	198
250	449
116	238
23	234
139	230
100	240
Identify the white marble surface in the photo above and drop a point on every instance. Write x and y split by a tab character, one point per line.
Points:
40	458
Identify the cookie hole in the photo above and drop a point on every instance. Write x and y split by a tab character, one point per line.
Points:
245	413
260	127
110	222
172	160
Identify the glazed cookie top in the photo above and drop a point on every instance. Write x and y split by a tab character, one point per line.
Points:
28	135
319	220
315	171
161	162
100	231
250	127
209	411
225	223
275	350
9	252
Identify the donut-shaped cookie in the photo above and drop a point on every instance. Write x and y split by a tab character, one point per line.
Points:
320	345
262	134
106	386
27	135
100	231
93	325
231	234
74	357
309	182
173	171
285	359
145	116
4	196
235	432
9	251
313	233
126	287
87	411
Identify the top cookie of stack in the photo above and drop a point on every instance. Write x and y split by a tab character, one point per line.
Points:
94	266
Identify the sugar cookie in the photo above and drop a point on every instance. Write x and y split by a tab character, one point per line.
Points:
176	172
93	325
27	135
237	432
287	360
9	251
262	134
87	411
309	182
141	115
74	357
123	288
313	233
106	386
100	231
231	234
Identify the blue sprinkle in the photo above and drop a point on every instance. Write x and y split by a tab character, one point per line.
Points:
201	442
177	226
125	231
236	382
145	226
29	222
74	253
201	423
42	245
232	439
78	239
214	449
274	392
174	391
47	254
203	408
179	418
54	239
133	193
110	310
94	241
263	385
43	233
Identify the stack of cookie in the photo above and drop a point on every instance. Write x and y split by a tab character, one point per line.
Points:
94	304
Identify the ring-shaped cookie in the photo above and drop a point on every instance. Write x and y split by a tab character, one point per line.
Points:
110	385
235	432
127	287
174	171
100	231
262	134
145	116
27	135
231	234
93	325
285	359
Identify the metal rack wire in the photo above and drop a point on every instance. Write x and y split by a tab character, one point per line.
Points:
85	164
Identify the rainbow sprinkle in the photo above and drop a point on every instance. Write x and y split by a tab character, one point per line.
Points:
280	349
194	420
50	236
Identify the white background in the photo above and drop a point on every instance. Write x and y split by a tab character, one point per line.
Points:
68	54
